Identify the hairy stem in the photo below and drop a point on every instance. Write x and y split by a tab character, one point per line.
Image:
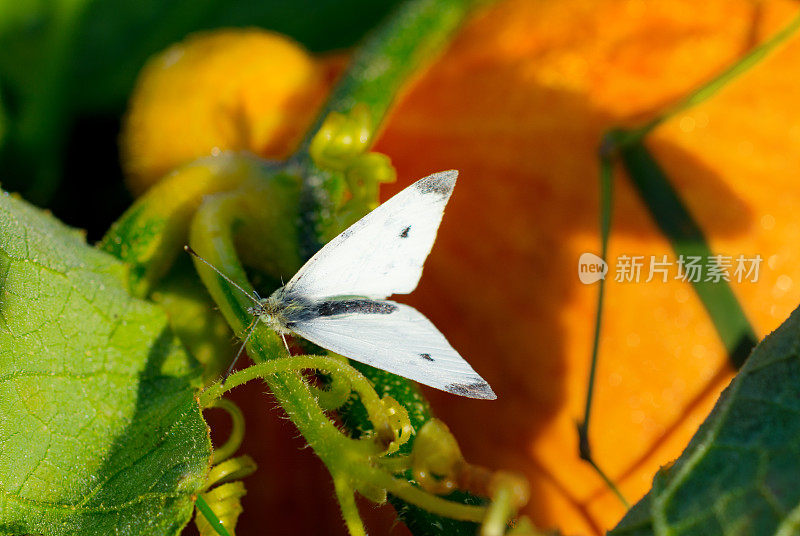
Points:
359	384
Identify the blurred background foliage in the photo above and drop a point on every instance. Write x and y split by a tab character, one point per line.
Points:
67	68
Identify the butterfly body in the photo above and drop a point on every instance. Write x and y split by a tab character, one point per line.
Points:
281	311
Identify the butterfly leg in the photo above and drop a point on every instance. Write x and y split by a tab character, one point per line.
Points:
250	330
283	338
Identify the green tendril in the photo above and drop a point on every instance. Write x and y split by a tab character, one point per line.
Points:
224	500
237	430
384	413
222	497
436	459
337	390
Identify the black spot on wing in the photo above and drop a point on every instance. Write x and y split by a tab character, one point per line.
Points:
426	357
439	183
404	233
478	389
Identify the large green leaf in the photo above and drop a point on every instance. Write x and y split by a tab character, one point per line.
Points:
99	429
740	472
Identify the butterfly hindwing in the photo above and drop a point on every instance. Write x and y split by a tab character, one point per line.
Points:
392	337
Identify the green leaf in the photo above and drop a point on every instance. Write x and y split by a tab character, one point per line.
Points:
99	429
739	473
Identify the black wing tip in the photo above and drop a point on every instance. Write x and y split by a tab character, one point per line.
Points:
441	183
479	389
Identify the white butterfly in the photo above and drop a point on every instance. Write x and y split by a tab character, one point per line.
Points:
337	299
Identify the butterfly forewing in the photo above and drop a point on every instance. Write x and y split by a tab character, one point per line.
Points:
382	253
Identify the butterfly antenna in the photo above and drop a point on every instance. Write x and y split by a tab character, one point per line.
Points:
250	331
225	277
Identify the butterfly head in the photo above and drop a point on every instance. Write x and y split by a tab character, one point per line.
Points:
268	311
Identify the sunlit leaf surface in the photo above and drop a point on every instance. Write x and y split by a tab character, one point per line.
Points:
99	429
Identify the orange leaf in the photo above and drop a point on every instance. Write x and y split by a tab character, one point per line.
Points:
519	105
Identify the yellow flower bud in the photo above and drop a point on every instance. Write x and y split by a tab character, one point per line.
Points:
227	90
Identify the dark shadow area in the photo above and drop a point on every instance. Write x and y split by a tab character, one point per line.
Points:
92	195
167	416
292	491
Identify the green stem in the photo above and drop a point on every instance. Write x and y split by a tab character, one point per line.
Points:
498	513
391	53
606	194
688	240
606	208
211	517
433	504
152	232
346	496
610	483
358	383
379	70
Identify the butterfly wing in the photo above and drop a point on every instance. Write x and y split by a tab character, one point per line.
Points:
383	252
392	337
